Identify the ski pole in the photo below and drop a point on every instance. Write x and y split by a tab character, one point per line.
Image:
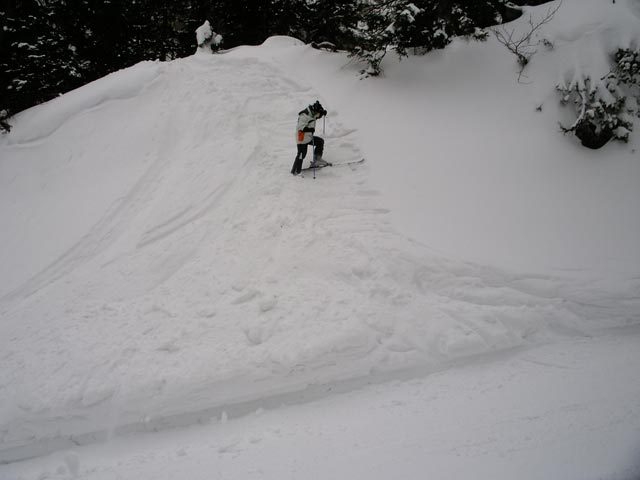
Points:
313	156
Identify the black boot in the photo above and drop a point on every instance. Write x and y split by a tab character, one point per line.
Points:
297	166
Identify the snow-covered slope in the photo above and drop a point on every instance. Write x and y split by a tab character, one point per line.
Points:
561	411
468	164
159	260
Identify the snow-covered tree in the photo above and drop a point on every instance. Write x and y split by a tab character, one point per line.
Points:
332	21
251	22
37	60
418	26
48	48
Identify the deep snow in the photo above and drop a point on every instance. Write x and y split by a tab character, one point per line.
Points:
159	262
557	411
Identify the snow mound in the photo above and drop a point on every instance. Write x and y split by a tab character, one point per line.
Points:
586	38
282	42
41	121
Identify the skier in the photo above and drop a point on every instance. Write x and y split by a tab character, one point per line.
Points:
305	136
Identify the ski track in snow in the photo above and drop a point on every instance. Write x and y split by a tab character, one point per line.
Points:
219	278
487	417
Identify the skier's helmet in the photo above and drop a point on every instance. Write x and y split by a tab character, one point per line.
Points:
317	108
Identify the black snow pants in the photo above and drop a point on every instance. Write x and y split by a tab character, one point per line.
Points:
318	148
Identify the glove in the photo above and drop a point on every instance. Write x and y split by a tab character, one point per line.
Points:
300	135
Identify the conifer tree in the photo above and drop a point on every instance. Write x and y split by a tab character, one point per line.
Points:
421	25
243	23
333	21
49	47
37	61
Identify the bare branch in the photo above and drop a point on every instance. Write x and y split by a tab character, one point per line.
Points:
524	46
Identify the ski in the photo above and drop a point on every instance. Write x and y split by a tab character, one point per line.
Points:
352	162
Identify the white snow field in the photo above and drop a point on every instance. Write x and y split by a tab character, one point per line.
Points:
557	411
479	271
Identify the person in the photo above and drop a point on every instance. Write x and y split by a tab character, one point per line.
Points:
305	130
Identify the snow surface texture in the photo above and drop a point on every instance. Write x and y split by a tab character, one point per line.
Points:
483	420
159	260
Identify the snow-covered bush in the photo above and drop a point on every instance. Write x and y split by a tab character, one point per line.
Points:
598	120
4	125
605	107
208	41
627	68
